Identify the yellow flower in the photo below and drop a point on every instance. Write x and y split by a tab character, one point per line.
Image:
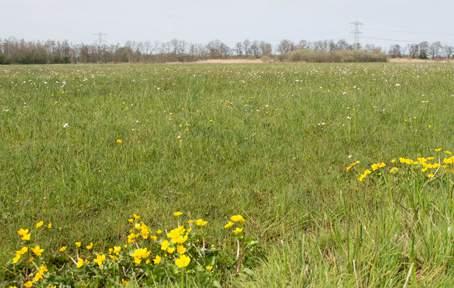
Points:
449	160
209	268
427	166
177	213
117	250
24	234
364	175
159	232
49	226
113	258
181	249
157	259
100	259
19	254
430	175
237	231
40	273
164	245
132	238
16	259
22	250
182	261
39	224
89	246
28	284
237	219
377	166
228	225
180	239
62	249
144	231
37	250
119	141
394	170
438	149
78	244
200	222
80	263
170	250
140	254
351	166
421	160
178	235
407	161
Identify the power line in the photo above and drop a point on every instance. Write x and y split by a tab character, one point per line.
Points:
398	40
407	31
356	33
101	38
391	40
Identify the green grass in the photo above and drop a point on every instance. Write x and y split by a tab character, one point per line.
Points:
267	141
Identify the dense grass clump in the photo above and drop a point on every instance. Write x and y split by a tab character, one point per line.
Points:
84	146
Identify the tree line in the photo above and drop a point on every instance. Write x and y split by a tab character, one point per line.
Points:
422	50
13	51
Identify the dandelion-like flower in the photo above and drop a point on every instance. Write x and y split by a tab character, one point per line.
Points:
237	219
200	222
157	260
177	213
228	225
37	250
100	259
140	254
183	261
39	224
80	263
24	234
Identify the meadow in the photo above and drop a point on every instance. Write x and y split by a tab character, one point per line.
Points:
85	146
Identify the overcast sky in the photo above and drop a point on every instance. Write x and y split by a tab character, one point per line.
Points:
228	20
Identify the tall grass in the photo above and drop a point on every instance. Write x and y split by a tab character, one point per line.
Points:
267	141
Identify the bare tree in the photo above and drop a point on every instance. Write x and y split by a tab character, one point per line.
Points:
285	47
395	51
435	50
423	50
448	51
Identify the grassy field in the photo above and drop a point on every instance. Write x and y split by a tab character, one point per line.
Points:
270	142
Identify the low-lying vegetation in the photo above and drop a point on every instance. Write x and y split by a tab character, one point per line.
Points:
84	146
347	56
183	254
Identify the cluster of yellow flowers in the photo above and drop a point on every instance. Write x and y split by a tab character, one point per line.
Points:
236	223
178	247
431	166
32	254
172	244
